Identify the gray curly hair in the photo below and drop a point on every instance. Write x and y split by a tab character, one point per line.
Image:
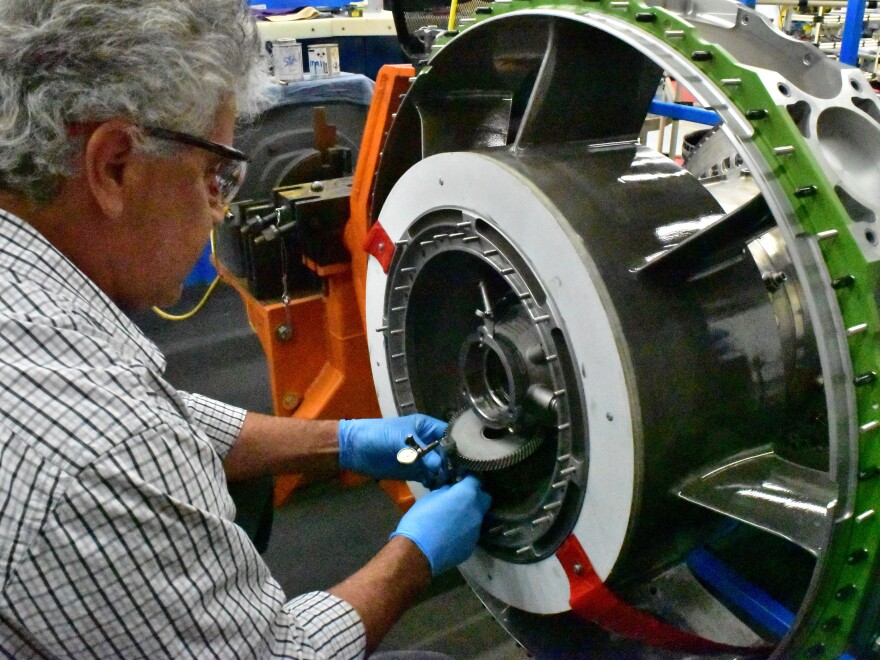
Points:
167	63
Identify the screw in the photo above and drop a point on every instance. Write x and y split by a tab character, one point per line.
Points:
284	332
578	569
317	186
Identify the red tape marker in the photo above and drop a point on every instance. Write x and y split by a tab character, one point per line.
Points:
592	600
379	245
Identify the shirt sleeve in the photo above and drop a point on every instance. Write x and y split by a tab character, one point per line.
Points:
220	421
139	558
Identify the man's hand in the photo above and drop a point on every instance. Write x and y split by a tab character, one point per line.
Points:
370	446
445	524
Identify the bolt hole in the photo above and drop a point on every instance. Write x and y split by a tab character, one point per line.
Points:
441	182
856	85
744	20
652	591
491	433
808	59
871	236
783	89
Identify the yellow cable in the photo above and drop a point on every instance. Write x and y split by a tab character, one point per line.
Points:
195	310
453	10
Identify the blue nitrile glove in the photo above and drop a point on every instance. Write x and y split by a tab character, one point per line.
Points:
370	446
445	523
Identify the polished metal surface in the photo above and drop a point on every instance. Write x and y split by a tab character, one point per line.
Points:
480	448
770	493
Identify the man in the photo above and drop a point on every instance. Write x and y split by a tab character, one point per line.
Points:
116	539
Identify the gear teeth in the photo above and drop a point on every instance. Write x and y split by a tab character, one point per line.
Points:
501	463
487	465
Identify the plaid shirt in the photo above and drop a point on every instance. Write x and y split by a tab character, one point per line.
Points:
116	533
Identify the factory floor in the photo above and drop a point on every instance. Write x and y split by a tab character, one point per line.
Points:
324	532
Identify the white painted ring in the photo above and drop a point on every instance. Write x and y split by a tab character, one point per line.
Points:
490	190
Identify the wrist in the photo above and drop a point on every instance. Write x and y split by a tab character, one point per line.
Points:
419	566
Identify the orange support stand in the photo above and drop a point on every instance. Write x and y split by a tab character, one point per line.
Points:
392	83
322	370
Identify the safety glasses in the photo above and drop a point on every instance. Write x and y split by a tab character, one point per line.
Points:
231	169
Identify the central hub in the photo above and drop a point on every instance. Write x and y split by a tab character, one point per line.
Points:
507	379
493	379
493	361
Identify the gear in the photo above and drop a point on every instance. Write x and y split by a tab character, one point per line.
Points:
476	449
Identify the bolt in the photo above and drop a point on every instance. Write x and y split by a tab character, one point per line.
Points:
832	624
816	651
578	569
858	556
846	592
773	281
843	282
290	401
535	354
284	332
317	186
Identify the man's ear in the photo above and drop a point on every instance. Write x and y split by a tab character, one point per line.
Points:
107	156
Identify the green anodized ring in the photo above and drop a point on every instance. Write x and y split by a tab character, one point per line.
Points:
820	230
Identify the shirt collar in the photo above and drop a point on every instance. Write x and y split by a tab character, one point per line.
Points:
26	252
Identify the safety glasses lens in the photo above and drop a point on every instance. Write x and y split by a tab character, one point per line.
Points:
230	175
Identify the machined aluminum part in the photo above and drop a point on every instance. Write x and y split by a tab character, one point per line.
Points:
719	352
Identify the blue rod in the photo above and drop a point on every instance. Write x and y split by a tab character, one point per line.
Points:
755	602
685	112
852	32
749	3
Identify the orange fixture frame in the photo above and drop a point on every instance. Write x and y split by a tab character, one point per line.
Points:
322	370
